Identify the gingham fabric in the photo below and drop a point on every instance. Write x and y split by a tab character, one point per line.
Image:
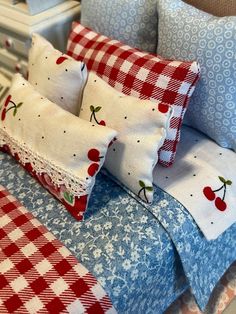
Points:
139	74
37	273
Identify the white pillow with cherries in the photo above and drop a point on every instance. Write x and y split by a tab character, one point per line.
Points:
63	152
141	125
56	76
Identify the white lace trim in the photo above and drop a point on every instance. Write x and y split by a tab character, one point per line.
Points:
59	176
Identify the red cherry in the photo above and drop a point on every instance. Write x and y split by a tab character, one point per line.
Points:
210	195
93	155
7	100
3	115
102	122
93	168
163	108
220	204
61	59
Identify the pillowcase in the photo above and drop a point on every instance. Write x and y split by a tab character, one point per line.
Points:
55	75
141	126
139	74
188	33
132	22
60	150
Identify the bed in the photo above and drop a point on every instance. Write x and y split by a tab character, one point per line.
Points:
144	256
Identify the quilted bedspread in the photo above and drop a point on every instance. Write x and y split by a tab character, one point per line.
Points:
143	256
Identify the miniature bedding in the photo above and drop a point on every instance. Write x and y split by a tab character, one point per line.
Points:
63	153
203	179
38	274
143	256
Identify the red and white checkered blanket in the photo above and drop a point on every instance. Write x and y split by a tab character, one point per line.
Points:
37	273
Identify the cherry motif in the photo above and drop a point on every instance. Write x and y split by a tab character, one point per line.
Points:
4	111
102	122
92	169
210	194
3	115
93	155
94	110
7	100
220	204
61	59
163	108
143	189
14	107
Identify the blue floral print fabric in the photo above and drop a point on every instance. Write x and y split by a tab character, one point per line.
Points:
132	249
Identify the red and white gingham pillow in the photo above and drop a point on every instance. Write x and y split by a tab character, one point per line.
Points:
140	74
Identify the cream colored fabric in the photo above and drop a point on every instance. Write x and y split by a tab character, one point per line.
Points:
215	7
51	139
141	131
56	76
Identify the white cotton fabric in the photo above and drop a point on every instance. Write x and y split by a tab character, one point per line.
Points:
199	163
60	81
55	139
141	132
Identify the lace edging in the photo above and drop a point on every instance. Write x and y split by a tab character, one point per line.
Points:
58	176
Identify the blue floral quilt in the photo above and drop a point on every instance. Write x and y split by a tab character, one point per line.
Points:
144	256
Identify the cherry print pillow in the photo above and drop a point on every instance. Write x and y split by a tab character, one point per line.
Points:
140	74
141	126
63	153
55	75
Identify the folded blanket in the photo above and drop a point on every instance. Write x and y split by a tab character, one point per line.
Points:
203	179
38	274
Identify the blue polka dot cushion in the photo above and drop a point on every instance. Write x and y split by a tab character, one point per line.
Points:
131	22
190	34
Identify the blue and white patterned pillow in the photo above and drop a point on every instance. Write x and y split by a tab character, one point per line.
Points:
133	22
190	34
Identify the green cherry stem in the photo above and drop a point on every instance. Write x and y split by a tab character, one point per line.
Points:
223	186
93	116
144	193
10	108
224	192
14	105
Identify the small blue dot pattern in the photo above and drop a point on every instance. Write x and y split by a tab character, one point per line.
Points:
131	22
186	33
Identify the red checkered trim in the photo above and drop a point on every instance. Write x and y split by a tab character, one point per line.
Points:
139	74
37	273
